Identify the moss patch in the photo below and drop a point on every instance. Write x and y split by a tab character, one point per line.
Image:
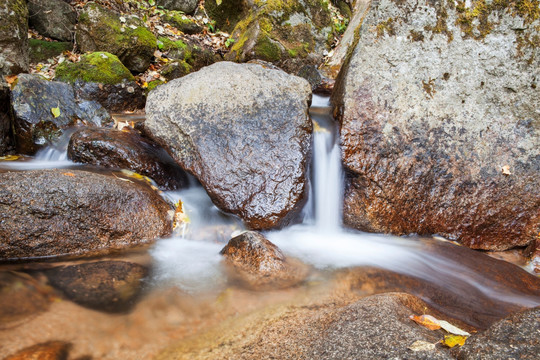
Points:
100	67
41	50
267	50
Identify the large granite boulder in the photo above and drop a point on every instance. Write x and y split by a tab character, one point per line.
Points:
288	33
112	148
36	124
52	18
515	337
46	213
440	122
101	29
13	37
243	132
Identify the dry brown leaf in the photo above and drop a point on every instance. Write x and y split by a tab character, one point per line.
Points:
426	321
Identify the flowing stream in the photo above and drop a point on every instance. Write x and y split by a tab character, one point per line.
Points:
190	260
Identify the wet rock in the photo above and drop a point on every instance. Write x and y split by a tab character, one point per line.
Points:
73	212
34	123
126	150
51	350
13	37
111	286
243	132
515	337
41	50
259	264
182	22
289	34
22	297
52	18
100	29
187	6
421	88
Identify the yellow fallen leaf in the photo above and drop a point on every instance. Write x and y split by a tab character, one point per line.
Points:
180	217
11	80
68	174
427	321
453	340
55	112
10	157
218	2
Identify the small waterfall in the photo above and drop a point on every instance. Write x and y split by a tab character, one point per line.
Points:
57	151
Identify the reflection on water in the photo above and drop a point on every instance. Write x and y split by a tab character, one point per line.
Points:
184	287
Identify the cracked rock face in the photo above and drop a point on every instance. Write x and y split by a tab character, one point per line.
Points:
243	131
440	123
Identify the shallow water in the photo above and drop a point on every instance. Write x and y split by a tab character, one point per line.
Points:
187	289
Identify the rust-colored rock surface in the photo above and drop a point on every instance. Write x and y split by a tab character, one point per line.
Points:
440	123
51	350
259	264
46	213
112	148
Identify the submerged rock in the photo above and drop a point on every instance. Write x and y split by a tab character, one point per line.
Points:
50	350
244	132
439	123
259	264
111	286
46	213
515	337
35	124
126	150
52	18
13	37
100	29
290	34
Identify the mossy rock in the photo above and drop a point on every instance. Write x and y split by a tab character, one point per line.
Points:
175	49
100	29
41	50
175	70
290	34
99	67
182	22
228	13
13	37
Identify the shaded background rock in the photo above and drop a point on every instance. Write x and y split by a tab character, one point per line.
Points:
228	13
74	212
13	37
515	337
121	97
187	6
243	132
126	150
100	29
290	34
111	286
52	18
259	264
182	22
5	121
440	125
34	124
41	50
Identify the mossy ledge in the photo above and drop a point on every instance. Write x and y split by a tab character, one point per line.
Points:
99	67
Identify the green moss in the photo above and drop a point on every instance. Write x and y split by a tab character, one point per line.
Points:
386	27
153	84
100	67
41	50
266	49
166	44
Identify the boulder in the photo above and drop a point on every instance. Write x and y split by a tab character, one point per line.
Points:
243	132
13	37
50	350
439	114
182	22
52	18
227	13
515	337
100	29
290	34
41	50
116	98
187	6
45	213
256	262
111	286
35	124
126	150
